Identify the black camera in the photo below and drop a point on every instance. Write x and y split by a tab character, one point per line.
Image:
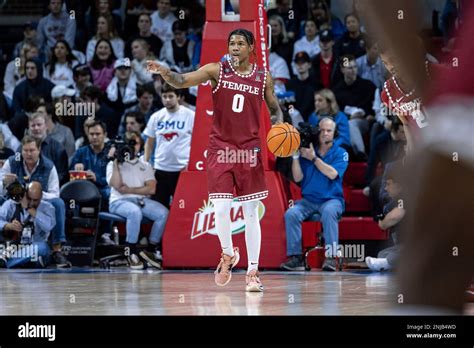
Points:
16	191
308	134
124	149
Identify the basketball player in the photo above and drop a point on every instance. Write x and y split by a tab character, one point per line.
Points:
239	86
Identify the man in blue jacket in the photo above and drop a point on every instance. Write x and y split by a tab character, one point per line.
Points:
320	172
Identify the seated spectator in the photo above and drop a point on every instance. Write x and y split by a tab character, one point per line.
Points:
370	66
58	25
5	151
281	43
144	26
18	125
387	147
29	38
59	68
170	129
102	64
390	219
278	69
355	97
144	107
353	40
34	85
105	30
178	52
26	221
304	84
308	43
325	20
132	183
326	106
122	90
50	148
141	53
134	122
62	134
84	140
134	11
325	64
62	98
103	112
283	10
162	20
15	70
82	78
93	158
33	166
320	173
9	140
103	8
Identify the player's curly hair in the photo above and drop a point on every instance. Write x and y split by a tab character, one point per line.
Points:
247	34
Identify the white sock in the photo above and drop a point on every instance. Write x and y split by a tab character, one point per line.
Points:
253	236
222	216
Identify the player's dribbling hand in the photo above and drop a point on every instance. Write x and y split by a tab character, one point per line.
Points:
155	68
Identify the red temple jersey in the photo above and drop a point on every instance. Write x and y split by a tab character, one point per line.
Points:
237	103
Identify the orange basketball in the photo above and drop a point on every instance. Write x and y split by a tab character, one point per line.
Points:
283	140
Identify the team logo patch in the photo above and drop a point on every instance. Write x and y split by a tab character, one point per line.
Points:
170	136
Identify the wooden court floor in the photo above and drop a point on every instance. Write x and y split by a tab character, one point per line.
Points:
124	292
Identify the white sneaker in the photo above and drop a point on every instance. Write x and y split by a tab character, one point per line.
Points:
377	264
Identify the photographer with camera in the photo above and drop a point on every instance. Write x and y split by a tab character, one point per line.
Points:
319	168
30	165
390	219
26	220
132	182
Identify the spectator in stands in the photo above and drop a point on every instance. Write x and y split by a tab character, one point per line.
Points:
325	105
56	26
162	20
283	10
59	68
82	78
102	64
18	125
325	64
353	41
370	66
27	225
281	43
62	134
84	139
309	42
105	30
135	9
144	107
50	148
320	173
133	122
122	91
29	38
132	183
304	84
15	70
33	166
34	85
178	52
141	53
94	157
325	20
170	129
355	97
156	85
103	8
387	147
279	70
144	26
390	219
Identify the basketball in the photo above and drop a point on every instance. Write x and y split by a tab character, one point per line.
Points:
283	140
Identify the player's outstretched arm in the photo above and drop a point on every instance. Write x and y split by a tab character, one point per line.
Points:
276	114
205	73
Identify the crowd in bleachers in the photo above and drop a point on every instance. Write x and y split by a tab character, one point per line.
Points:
324	66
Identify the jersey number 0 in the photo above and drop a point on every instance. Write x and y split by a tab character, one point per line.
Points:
238	103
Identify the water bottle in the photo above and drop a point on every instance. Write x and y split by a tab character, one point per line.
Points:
116	235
